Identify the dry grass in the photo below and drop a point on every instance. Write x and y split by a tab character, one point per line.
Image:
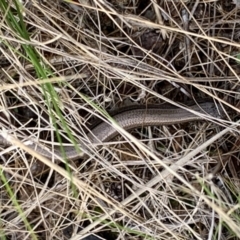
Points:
168	182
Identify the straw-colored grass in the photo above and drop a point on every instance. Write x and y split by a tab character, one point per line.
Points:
65	64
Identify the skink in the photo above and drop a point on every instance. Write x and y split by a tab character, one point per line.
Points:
134	118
